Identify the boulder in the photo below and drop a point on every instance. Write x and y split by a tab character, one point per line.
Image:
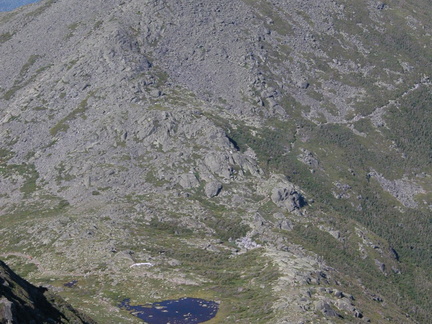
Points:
156	93
285	225
381	266
330	312
325	308
288	198
212	189
303	85
381	5
219	164
188	180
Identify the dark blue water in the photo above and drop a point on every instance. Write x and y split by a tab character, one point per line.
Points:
8	5
70	284
180	311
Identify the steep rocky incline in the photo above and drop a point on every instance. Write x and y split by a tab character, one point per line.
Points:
21	302
271	155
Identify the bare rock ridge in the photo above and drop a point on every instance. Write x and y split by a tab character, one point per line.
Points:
23	303
273	156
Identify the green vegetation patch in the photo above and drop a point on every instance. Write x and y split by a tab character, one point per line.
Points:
242	283
21	82
28	171
410	127
62	125
5	155
348	158
5	37
229	228
169	227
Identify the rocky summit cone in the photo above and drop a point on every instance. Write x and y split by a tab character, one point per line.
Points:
272	157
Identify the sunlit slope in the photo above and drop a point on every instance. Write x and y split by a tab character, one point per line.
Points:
274	156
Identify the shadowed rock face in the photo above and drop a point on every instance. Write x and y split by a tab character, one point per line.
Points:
22	303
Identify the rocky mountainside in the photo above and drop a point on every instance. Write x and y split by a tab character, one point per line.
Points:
274	156
21	302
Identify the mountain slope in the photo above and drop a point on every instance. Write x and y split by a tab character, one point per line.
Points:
272	155
23	303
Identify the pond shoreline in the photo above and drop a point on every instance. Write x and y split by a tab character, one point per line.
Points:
180	311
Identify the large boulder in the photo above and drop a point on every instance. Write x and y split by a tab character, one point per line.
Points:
288	198
188	180
212	189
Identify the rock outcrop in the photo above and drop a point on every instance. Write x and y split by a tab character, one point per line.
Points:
288	198
23	303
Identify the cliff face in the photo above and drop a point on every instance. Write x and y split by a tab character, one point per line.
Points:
272	153
21	302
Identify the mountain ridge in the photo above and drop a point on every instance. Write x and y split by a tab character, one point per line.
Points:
285	138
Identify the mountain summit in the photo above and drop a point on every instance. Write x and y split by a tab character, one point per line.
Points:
272	156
